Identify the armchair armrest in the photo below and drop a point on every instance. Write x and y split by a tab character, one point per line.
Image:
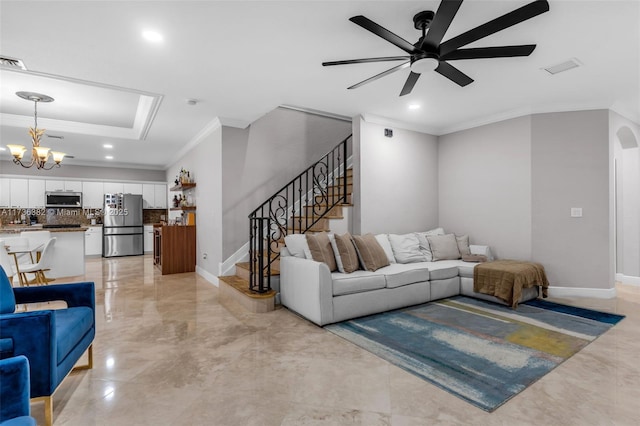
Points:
306	288
14	388
77	294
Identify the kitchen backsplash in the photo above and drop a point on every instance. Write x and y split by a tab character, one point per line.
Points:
66	216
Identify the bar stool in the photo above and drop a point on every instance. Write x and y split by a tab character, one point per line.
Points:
6	262
36	238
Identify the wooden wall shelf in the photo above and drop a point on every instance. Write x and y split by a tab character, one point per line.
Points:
182	187
183	208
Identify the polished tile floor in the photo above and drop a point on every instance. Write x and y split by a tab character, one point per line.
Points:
168	353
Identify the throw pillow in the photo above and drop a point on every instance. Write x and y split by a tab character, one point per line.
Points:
321	250
443	247
435	231
297	246
383	239
474	258
370	252
424	247
406	248
463	244
344	248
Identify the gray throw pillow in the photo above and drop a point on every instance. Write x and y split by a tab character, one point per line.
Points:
443	247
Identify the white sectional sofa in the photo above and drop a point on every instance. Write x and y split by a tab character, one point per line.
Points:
310	289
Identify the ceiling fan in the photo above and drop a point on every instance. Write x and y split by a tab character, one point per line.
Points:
429	53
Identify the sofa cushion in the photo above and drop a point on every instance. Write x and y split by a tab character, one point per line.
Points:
397	275
356	282
371	254
345	253
383	239
444	269
443	247
463	244
406	248
71	325
321	250
466	270
7	298
297	246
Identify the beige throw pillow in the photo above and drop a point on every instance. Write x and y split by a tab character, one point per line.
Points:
443	247
347	253
321	250
463	244
371	253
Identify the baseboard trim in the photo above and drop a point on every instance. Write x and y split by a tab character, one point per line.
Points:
228	267
628	279
208	276
596	293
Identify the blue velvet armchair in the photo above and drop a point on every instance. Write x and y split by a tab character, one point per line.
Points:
14	392
52	340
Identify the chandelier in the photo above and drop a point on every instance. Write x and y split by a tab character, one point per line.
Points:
39	154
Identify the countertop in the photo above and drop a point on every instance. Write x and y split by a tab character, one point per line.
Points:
16	229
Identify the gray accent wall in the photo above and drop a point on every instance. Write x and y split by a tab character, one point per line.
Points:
262	158
396	182
570	168
485	186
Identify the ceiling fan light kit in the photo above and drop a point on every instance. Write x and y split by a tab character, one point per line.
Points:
39	154
430	53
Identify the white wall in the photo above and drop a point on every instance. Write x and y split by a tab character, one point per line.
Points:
397	180
571	168
485	186
204	162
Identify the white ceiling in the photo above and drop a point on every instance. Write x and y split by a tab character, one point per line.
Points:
241	59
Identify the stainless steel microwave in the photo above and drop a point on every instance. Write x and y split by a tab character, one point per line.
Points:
63	199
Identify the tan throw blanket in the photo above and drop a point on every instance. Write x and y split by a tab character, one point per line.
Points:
505	279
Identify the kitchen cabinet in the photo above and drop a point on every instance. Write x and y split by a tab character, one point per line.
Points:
148	238
92	195
132	188
36	193
174	249
5	192
19	190
154	196
93	241
63	185
160	191
113	188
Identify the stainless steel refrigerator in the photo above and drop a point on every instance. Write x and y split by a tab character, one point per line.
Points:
122	227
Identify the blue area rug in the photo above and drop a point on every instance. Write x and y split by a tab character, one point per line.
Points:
482	352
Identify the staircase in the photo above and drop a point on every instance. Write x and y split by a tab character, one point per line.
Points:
311	202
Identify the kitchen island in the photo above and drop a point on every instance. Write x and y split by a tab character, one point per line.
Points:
68	251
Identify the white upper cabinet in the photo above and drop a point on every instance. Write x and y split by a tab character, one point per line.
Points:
113	188
19	192
132	188
160	196
148	196
63	185
5	192
92	195
36	193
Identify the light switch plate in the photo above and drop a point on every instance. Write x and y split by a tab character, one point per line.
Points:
576	211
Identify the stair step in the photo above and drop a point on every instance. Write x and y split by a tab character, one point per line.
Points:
332	199
242	270
335	212
298	223
341	179
337	188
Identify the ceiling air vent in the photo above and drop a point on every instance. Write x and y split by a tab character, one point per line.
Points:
12	62
563	66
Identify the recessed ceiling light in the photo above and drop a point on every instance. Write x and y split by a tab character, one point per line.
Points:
107	145
414	106
152	36
109	157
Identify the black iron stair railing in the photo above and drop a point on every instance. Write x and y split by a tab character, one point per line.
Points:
315	191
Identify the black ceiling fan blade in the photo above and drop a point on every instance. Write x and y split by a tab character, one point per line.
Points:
490	52
366	60
453	74
382	74
380	31
408	85
505	21
441	21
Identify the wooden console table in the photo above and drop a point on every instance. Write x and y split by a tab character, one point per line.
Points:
174	249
